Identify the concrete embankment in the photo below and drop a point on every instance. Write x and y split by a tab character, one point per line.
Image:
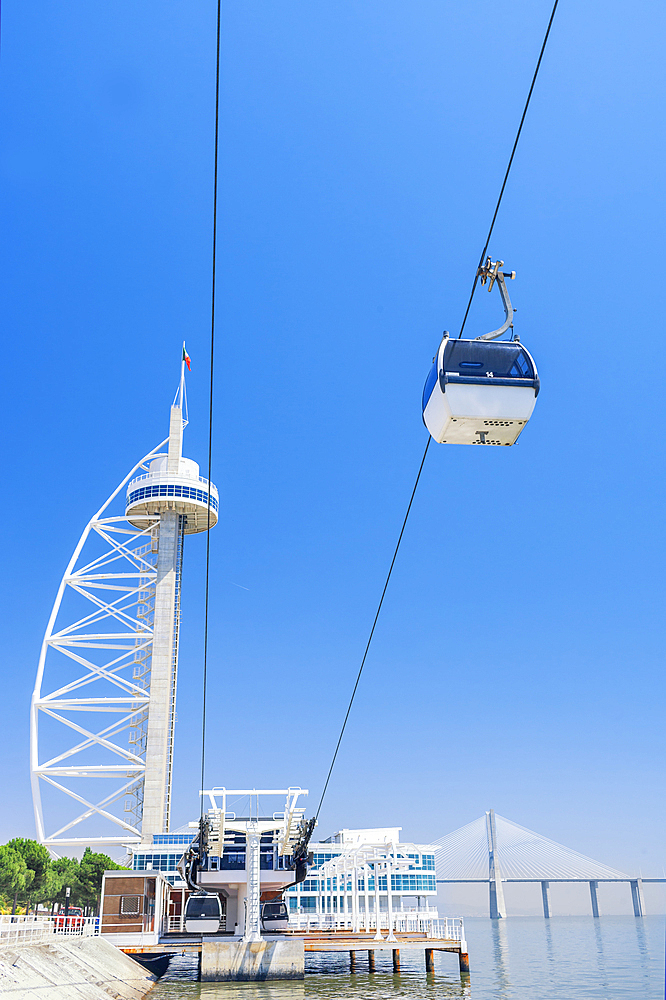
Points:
71	969
246	960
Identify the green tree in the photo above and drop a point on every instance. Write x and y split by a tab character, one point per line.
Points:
37	859
66	874
91	870
50	887
14	876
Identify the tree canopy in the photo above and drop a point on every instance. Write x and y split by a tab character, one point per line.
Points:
37	860
14	875
28	871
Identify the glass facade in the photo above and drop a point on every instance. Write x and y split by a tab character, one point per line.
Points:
411	883
171	490
306	896
158	862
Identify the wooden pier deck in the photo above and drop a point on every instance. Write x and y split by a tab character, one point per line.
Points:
325	941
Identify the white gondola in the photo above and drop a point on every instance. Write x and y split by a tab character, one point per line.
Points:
274	916
203	912
481	391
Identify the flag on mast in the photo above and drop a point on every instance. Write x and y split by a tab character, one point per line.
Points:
186	359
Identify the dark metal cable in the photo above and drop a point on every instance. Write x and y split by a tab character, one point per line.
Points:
374	625
510	164
210	411
418	477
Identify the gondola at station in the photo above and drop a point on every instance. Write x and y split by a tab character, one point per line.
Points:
251	894
482	391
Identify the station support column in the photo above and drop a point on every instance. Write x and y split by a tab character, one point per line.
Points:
253	870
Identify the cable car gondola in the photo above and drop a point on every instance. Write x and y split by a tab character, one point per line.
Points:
203	912
274	916
481	391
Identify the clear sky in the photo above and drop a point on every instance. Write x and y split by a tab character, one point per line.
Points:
518	662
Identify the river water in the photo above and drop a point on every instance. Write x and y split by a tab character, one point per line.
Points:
527	958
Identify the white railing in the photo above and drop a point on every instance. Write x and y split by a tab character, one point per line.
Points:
425	922
38	929
176	925
170	475
449	928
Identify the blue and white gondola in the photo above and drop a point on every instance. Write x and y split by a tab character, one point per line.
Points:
203	913
274	916
481	391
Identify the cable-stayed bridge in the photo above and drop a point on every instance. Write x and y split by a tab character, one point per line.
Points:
494	850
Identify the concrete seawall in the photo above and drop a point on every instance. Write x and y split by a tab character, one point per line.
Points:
242	960
71	969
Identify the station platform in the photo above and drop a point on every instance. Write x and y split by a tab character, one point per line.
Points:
317	941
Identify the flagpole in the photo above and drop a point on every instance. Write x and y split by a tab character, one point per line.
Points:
182	376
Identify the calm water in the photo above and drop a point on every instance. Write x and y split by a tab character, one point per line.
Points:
529	958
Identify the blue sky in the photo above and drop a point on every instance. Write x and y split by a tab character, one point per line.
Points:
518	660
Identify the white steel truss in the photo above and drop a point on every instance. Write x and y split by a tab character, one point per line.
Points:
104	653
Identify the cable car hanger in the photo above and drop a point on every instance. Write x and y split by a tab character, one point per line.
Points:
490	272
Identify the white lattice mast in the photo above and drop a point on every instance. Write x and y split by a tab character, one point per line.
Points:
113	636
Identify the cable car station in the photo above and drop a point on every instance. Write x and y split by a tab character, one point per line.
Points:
242	909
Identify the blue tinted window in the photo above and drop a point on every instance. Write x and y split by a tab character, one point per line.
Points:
501	359
171	490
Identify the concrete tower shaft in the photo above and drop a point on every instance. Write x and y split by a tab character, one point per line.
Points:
185	502
163	677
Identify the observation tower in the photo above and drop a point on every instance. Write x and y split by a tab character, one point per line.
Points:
113	636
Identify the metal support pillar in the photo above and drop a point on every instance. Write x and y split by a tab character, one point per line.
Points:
429	960
253	871
497	907
637	897
378	916
396	959
463	962
354	902
595	899
389	897
352	961
371	961
545	896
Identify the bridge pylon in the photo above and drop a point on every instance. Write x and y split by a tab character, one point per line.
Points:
497	907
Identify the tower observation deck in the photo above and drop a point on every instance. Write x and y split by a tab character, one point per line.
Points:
122	647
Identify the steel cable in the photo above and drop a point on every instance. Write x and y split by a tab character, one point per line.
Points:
374	625
210	409
418	476
509	165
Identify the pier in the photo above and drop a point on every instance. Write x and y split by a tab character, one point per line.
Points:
360	947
